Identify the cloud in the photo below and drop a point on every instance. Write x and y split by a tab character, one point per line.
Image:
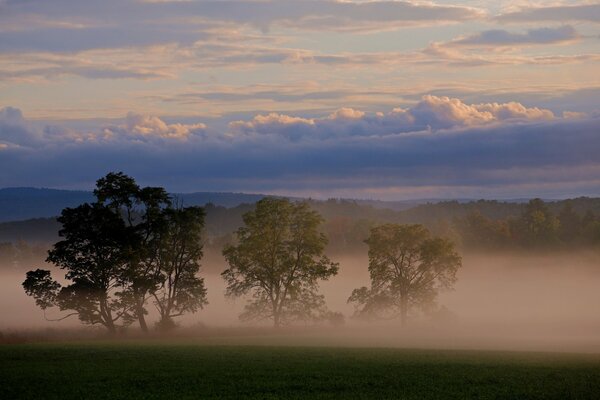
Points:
88	72
561	13
67	39
515	159
438	146
147	127
432	113
307	91
500	37
15	130
71	25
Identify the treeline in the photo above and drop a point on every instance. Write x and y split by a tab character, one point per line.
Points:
481	225
21	255
475	225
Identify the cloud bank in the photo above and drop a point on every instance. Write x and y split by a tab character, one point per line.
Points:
430	114
438	147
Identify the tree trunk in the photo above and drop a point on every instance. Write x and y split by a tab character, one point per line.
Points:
106	317
111	328
142	319
166	323
403	311
110	325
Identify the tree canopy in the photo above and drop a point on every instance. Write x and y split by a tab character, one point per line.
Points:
279	259
407	268
128	246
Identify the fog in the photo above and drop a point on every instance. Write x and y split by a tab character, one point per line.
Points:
548	302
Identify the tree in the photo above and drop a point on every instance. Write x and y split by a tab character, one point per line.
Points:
142	211
93	252
407	267
570	224
537	225
129	245
479	231
279	259
179	257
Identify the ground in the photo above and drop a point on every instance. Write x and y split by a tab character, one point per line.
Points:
150	370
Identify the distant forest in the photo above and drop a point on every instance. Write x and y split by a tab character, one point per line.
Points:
482	225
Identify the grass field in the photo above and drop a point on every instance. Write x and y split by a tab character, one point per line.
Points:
188	371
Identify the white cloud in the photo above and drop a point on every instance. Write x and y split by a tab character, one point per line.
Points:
16	130
431	113
148	127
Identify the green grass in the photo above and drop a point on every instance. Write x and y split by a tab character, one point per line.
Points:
187	371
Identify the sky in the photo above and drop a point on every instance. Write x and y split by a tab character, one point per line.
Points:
370	99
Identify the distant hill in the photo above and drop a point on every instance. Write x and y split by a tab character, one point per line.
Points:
18	204
27	203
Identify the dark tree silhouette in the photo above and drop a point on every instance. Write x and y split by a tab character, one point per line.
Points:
279	259
142	210
180	251
130	245
94	252
407	267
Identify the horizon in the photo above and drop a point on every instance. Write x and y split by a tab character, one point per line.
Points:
404	200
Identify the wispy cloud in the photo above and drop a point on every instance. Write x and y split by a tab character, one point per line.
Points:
107	23
560	13
500	37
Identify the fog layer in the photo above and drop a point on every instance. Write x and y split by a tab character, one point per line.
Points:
544	302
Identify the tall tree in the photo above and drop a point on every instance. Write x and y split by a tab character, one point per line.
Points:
94	251
407	268
128	246
142	212
180	251
279	259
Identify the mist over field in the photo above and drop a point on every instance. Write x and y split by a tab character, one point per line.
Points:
545	302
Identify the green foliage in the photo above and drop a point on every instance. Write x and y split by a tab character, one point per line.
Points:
475	225
537	226
478	231
407	268
279	259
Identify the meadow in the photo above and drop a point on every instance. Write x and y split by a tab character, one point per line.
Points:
187	370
